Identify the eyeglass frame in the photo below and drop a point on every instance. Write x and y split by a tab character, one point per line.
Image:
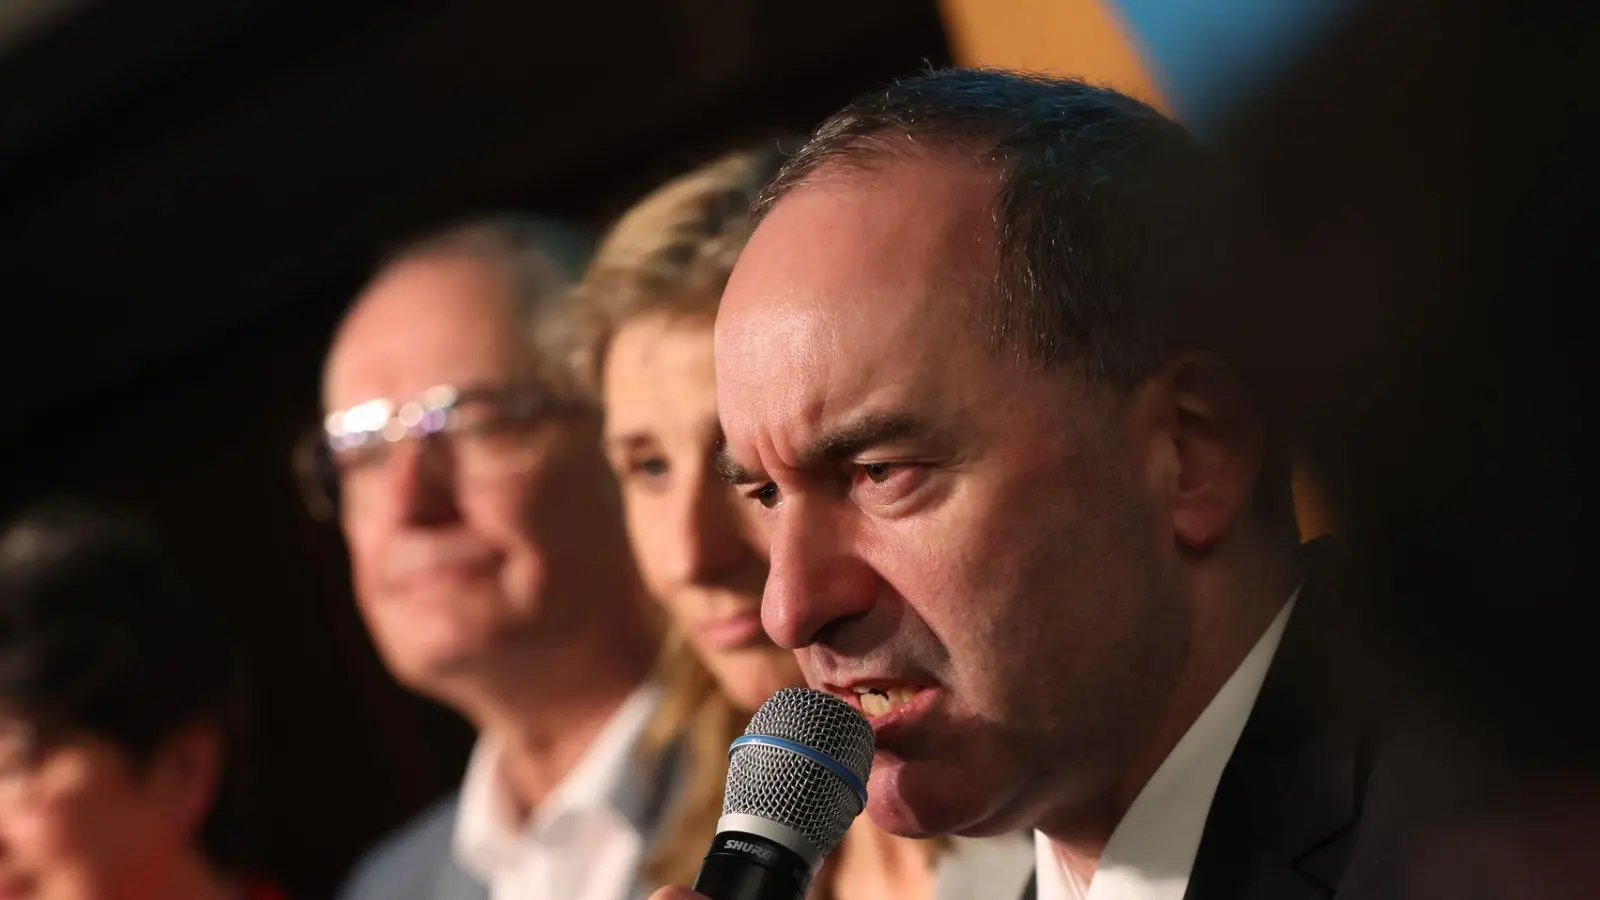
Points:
432	414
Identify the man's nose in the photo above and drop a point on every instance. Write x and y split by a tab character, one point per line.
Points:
418	482
816	579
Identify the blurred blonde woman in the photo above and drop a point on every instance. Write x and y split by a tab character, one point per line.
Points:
651	297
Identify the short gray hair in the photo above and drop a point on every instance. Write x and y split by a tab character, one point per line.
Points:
541	260
1097	223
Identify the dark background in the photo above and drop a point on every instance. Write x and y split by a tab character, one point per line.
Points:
191	192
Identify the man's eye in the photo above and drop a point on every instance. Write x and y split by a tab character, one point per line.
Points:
766	495
877	473
882	485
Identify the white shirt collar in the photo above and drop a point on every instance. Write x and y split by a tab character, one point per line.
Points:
607	792
996	867
1152	850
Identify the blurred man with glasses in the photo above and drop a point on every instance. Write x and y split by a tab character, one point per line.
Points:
491	567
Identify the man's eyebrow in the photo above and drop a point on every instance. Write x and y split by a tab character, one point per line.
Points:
853	437
732	471
862	433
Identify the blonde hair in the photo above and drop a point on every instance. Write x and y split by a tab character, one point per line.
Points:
671	253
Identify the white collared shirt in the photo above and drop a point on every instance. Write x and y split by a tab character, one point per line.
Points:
585	841
997	867
1152	850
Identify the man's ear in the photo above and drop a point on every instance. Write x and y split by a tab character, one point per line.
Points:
185	775
1203	446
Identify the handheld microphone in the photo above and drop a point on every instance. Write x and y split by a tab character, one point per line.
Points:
797	778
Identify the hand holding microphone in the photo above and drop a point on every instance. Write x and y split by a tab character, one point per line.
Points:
796	780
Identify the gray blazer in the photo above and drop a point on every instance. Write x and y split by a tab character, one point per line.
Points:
416	863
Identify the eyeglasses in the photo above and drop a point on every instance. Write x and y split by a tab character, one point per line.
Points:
472	436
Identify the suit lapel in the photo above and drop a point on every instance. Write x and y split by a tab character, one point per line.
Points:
660	777
455	884
1280	823
663	780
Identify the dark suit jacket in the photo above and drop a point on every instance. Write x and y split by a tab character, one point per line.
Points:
1341	779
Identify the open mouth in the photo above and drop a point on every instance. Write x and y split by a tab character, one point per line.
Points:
880	701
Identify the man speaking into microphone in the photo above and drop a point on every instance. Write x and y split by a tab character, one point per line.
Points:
1025	513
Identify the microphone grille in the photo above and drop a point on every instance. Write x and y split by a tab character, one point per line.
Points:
788	785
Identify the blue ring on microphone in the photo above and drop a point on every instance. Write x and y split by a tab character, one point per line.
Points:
816	756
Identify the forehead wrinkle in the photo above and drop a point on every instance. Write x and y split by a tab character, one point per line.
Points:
842	279
797	340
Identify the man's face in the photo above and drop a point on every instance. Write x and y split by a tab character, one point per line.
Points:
457	572
968	540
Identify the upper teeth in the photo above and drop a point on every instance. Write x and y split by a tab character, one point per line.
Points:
878	701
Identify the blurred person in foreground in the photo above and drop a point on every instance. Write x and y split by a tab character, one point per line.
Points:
653	291
491	566
1025	513
1425	275
122	700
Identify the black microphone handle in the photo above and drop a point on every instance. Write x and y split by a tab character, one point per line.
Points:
745	866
